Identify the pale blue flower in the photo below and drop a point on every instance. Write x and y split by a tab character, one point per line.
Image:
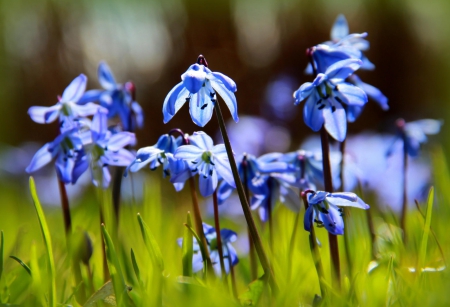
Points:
199	87
209	161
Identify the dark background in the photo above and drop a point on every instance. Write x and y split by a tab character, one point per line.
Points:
45	44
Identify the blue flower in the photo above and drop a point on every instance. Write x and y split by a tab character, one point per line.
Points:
117	98
229	253
199	87
107	149
162	154
68	150
209	161
326	97
413	134
68	107
324	209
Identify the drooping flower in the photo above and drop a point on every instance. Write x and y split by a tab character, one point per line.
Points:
324	209
107	149
68	107
209	161
344	46
68	150
199	87
326	97
413	134
117	98
161	154
229	253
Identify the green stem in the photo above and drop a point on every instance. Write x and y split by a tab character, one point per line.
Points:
328	182
251	246
244	203
218	235
65	208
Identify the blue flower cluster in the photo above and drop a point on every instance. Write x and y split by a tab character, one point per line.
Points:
86	142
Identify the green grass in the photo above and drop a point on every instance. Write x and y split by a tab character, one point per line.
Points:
146	264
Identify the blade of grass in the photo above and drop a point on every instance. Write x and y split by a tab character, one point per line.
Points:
120	288
23	264
48	243
102	293
188	248
135	267
151	244
202	248
38	288
426	231
2	244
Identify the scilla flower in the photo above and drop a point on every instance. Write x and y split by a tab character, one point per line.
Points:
323	209
67	106
161	154
326	97
117	98
413	134
229	253
199	87
209	161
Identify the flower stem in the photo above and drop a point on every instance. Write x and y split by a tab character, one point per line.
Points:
244	203
218	235
251	246
269	211
65	208
405	195
328	182
116	191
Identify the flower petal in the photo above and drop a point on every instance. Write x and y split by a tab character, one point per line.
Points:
194	78
307	221
226	81
106	77
64	168
207	184
339	29
350	94
332	221
75	90
201	108
228	97
90	96
44	115
343	69
188	153
223	168
41	158
174	101
85	110
312	116
201	140
336	122
120	140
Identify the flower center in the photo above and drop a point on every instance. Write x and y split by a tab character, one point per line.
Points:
206	157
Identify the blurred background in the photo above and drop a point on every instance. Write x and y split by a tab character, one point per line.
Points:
259	43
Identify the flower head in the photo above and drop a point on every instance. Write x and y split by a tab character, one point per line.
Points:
68	107
324	209
229	253
209	161
107	149
326	97
161	154
199	87
117	98
414	134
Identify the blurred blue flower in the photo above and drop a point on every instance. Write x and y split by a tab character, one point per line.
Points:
414	133
117	98
68	150
199	86
324	209
68	107
326	96
209	161
161	154
229	253
107	149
